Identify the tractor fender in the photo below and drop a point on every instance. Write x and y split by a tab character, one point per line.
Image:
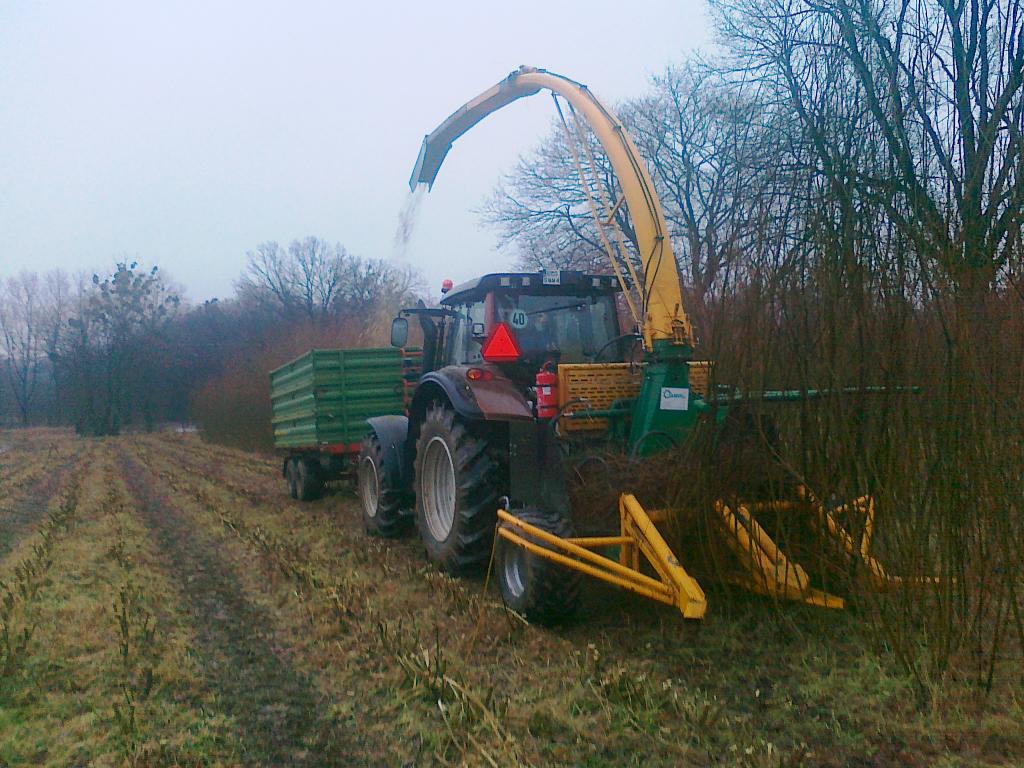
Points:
494	399
442	385
393	433
498	399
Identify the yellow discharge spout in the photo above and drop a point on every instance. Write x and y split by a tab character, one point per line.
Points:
663	314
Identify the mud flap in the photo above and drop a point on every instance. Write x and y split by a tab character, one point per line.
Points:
536	470
393	433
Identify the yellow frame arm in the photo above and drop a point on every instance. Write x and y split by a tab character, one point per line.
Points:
638	536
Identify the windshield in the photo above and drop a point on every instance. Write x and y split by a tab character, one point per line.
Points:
569	329
565	329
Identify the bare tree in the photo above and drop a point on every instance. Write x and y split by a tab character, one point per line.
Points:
59	298
302	280
704	147
316	281
541	209
22	322
111	345
898	134
937	87
706	152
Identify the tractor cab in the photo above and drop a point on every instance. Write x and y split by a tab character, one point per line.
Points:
524	321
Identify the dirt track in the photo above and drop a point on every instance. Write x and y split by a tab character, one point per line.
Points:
274	706
186	611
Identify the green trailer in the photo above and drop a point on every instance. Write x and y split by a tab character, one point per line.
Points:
320	402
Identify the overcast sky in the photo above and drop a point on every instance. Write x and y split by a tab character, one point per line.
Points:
184	134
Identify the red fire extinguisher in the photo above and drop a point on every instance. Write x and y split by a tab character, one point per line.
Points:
547	392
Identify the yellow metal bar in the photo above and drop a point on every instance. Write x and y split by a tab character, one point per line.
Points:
877	577
692	602
626	552
642	546
612	254
822	599
869	527
600	541
760	537
638	534
865	505
758	552
814	597
583	554
651	588
844	537
690	597
792	572
771	572
631	553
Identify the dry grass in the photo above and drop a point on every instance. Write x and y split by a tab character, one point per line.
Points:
195	615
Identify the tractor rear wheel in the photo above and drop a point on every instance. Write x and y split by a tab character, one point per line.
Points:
457	487
380	500
308	482
543	591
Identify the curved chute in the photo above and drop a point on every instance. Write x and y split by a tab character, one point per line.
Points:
664	319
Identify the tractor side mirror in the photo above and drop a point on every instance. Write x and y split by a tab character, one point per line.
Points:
399	332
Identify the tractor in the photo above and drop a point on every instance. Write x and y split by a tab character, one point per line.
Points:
521	369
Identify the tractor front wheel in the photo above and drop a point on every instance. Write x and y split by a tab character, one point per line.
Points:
457	487
541	590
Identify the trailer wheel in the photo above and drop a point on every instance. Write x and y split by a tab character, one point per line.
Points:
381	502
308	483
289	474
457	487
543	591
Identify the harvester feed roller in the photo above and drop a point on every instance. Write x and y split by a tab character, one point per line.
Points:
765	568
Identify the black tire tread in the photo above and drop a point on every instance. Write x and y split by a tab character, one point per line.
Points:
289	474
390	521
552	593
478	481
309	486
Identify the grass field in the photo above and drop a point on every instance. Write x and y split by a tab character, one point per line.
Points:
165	603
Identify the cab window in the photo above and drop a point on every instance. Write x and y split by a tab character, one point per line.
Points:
463	346
571	329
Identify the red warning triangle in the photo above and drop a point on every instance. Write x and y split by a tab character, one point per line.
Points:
501	347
